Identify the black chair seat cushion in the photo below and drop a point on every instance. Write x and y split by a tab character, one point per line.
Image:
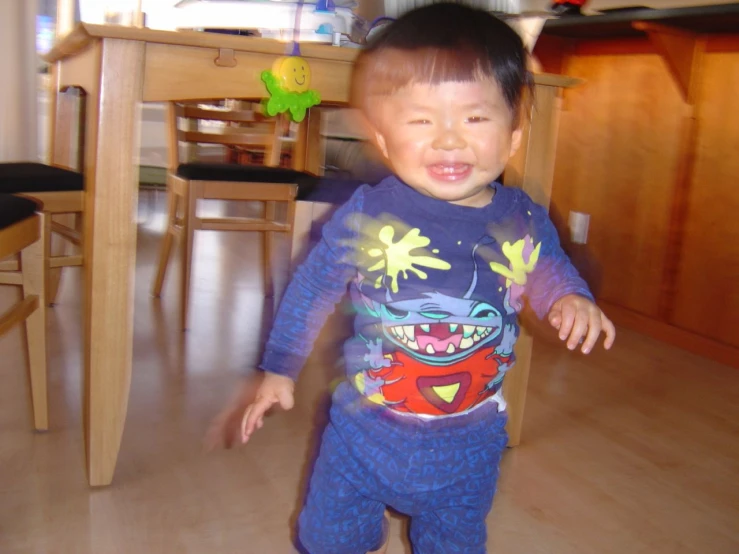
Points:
29	177
14	209
248	173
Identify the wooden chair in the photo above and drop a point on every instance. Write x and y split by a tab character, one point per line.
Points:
59	187
21	235
188	182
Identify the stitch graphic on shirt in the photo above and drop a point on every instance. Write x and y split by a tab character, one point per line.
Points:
411	386
447	353
438	329
435	353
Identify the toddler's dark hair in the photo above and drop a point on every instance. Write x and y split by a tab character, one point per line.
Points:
440	43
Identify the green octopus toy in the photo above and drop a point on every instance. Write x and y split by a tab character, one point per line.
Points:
288	85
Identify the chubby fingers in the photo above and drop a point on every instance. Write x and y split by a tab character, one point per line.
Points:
594	329
286	399
610	330
555	317
580	325
254	417
567	319
597	323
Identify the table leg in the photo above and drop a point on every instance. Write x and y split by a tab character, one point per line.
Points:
110	252
515	385
531	169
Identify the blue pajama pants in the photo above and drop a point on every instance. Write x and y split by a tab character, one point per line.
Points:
442	474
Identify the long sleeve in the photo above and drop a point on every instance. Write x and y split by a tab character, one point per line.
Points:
554	275
315	289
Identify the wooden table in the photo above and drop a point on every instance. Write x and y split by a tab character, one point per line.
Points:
121	67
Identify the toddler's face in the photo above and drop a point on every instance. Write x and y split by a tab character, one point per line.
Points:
447	141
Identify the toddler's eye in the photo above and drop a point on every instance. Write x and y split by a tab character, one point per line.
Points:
477	119
419	122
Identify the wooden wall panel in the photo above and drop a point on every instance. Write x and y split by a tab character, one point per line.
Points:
619	144
707	300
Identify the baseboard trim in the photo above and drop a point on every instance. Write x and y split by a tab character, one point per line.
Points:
675	336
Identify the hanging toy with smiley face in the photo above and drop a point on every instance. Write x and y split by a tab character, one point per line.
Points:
289	87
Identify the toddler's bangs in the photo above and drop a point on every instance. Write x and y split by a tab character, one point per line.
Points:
385	71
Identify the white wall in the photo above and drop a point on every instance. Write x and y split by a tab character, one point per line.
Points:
370	9
18	66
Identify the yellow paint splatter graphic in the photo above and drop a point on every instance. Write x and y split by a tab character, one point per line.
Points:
397	259
519	267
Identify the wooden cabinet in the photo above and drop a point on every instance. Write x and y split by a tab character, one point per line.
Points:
707	286
648	147
617	159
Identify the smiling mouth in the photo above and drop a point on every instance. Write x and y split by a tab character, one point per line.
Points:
300	82
449	171
440	339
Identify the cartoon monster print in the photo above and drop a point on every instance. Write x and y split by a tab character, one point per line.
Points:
447	354
409	384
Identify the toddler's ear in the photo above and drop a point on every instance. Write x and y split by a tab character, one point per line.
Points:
380	143
516	138
364	125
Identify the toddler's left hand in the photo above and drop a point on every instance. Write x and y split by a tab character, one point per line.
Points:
575	316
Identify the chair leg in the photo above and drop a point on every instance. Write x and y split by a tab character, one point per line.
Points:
34	283
53	274
269	284
186	244
286	251
166	252
290	220
79	225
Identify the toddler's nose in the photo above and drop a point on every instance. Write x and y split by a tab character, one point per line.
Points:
449	139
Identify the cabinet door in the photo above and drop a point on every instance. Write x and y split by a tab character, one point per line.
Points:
617	161
707	299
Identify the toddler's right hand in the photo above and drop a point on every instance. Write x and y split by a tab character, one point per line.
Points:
275	389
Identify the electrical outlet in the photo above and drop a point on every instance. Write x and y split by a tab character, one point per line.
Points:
579	224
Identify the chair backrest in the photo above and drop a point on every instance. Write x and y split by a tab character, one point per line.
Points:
197	124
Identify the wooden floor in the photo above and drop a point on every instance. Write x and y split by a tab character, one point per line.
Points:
635	451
